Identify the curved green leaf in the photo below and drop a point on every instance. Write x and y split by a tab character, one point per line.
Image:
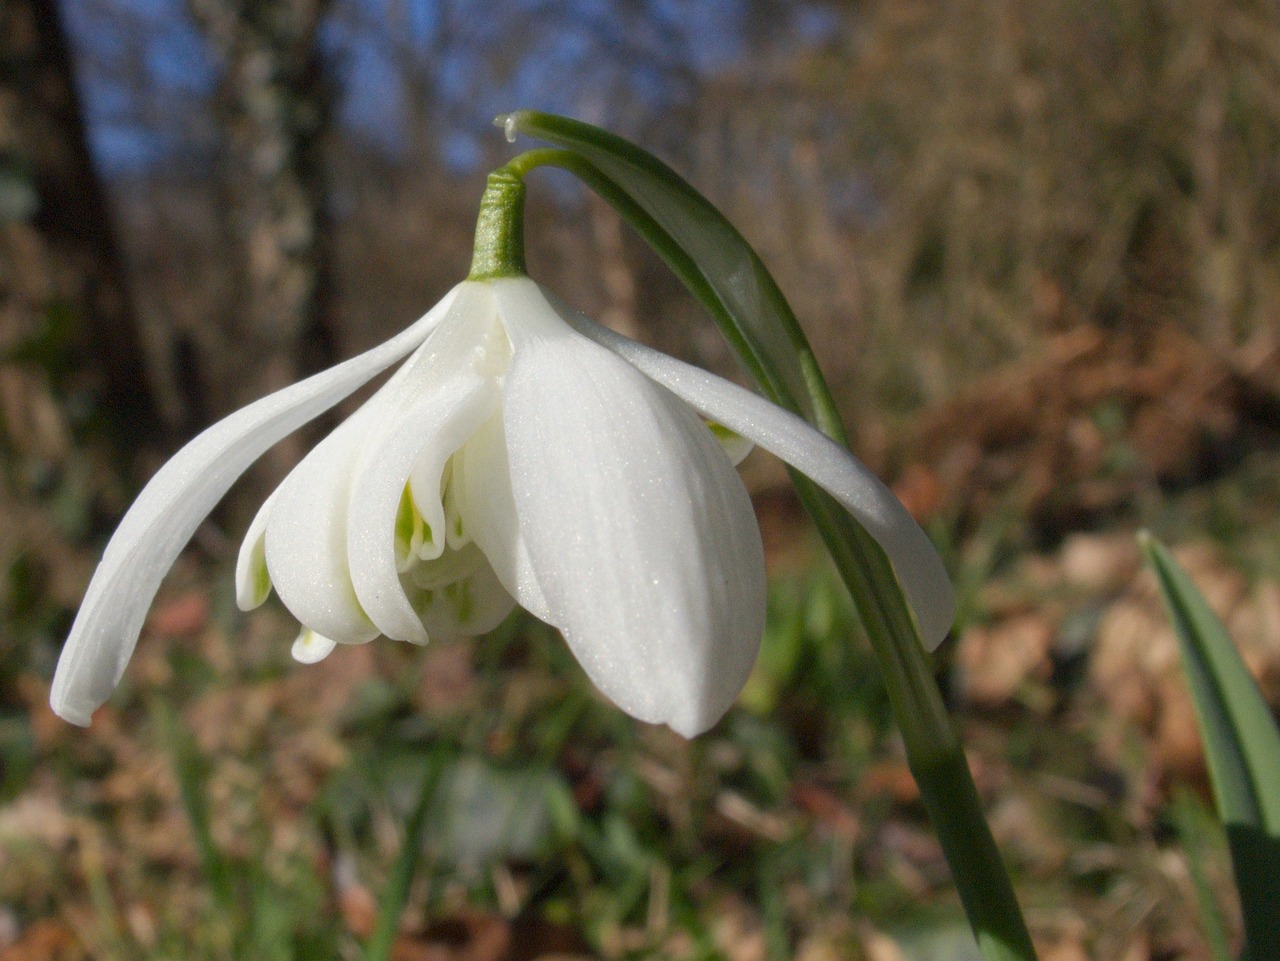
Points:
1241	744
752	310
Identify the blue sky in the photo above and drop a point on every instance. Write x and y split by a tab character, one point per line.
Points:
146	71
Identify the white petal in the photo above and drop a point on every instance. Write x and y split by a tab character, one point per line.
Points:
253	581
311	648
170	508
482	476
639	529
427	432
306	537
915	561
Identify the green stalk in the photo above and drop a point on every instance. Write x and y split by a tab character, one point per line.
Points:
934	752
499	246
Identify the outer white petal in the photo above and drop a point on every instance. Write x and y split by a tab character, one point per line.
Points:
639	529
170	508
919	568
429	430
306	536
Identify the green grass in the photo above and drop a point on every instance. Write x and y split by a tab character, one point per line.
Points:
224	809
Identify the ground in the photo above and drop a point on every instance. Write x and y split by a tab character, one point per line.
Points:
228	803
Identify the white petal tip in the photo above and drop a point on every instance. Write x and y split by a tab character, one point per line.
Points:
78	716
311	648
689	729
734	444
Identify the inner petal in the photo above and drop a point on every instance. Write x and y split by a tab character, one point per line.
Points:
417	442
457	594
310	647
487	508
253	580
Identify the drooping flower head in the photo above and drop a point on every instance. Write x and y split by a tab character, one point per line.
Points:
521	454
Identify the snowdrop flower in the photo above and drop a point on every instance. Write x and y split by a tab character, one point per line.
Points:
520	455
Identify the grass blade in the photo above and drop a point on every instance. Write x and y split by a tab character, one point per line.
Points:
189	768
396	893
1241	743
1192	824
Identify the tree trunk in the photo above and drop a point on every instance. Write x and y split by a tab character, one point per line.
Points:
58	257
275	105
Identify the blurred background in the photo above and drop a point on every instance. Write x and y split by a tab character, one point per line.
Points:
1036	246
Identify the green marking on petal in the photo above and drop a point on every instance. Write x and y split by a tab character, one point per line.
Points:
734	444
407	520
459	597
256	584
311	647
456	537
722	433
261	577
465	603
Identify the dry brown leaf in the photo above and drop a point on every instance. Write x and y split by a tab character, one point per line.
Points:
738	931
1030	431
45	940
920	491
828	808
1062	949
995	661
891	777
1099	563
1135	665
878	946
181	616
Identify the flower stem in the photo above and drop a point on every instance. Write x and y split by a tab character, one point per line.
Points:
499	249
934	752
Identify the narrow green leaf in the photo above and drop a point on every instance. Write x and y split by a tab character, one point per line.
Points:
1241	742
396	894
1192	822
